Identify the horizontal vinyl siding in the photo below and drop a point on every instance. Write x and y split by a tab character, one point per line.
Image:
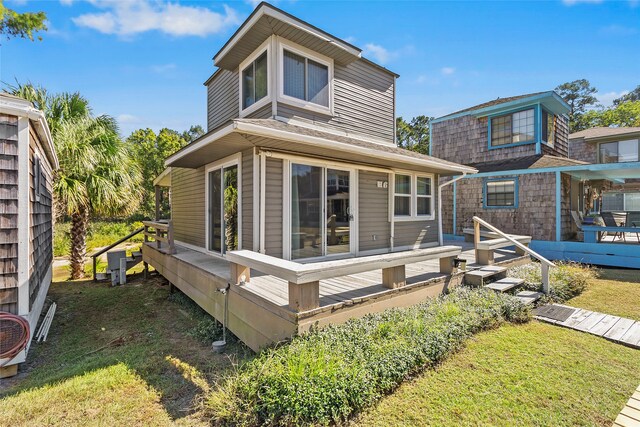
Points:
373	211
363	102
247	199
187	205
222	99
420	232
273	208
263	112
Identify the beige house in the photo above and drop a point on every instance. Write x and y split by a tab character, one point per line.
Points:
27	164
298	171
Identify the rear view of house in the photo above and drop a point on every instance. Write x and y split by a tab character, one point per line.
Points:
27	165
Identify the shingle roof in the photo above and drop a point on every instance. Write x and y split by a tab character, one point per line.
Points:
496	101
527	162
603	132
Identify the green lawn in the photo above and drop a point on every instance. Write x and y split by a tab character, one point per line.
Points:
115	356
529	375
616	292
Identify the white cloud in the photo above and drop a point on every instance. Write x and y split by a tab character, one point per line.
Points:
383	55
66	2
128	118
606	99
253	3
129	17
447	71
163	68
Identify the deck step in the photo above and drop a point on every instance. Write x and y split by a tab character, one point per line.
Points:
479	276
503	285
529	297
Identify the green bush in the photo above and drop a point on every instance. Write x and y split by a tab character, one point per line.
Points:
329	374
100	234
566	279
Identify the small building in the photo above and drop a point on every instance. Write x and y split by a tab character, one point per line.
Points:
27	165
536	179
298	196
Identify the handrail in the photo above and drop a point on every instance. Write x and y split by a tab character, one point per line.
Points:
163	233
111	246
545	263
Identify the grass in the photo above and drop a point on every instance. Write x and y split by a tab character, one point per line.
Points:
533	374
615	292
127	355
100	234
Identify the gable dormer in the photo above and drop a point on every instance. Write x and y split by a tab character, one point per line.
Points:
278	66
506	128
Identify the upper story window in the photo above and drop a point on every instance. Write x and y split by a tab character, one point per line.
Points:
254	81
548	128
413	197
619	151
513	128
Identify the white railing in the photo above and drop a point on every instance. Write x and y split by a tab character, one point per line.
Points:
544	263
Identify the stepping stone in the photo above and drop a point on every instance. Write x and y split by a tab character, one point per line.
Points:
529	297
505	284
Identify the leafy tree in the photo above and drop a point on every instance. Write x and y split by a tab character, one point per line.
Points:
413	136
579	95
625	114
150	151
194	132
634	95
97	175
23	25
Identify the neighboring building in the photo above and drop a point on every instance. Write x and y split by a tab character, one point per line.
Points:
301	132
27	165
610	145
536	179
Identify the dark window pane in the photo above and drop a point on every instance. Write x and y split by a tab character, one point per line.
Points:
500	193
609	152
424	205
294	75
402	206
403	184
248	89
424	186
215	210
261	77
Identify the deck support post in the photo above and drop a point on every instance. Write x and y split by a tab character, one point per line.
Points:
240	274
446	265
394	277
520	251
146	269
304	296
484	256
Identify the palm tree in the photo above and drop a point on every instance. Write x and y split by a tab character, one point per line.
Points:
97	174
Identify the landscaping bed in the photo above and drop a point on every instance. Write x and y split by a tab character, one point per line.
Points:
328	375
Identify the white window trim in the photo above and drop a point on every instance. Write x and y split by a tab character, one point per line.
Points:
309	54
233	160
264	47
413	216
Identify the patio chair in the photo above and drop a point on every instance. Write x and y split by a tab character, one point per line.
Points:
576	219
633	220
610	221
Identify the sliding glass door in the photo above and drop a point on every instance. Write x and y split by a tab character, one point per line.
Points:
320	211
223	209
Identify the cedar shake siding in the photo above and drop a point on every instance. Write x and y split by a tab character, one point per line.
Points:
534	216
9	223
187	205
466	140
579	149
40	220
373	211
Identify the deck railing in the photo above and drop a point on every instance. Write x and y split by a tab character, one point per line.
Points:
161	234
544	263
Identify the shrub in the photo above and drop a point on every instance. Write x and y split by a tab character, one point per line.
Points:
566	279
208	329
327	375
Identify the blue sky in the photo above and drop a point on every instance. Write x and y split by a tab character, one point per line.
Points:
144	62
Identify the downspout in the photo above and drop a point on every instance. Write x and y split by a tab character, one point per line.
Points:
440	187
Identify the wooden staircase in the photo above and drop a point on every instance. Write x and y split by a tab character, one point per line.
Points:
495	278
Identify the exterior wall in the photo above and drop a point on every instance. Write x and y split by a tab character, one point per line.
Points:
222	99
187	205
534	216
579	149
40	220
466	140
373	212
413	234
363	102
273	208
566	222
9	223
247	199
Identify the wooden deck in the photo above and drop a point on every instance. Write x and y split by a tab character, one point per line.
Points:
630	414
258	310
618	329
